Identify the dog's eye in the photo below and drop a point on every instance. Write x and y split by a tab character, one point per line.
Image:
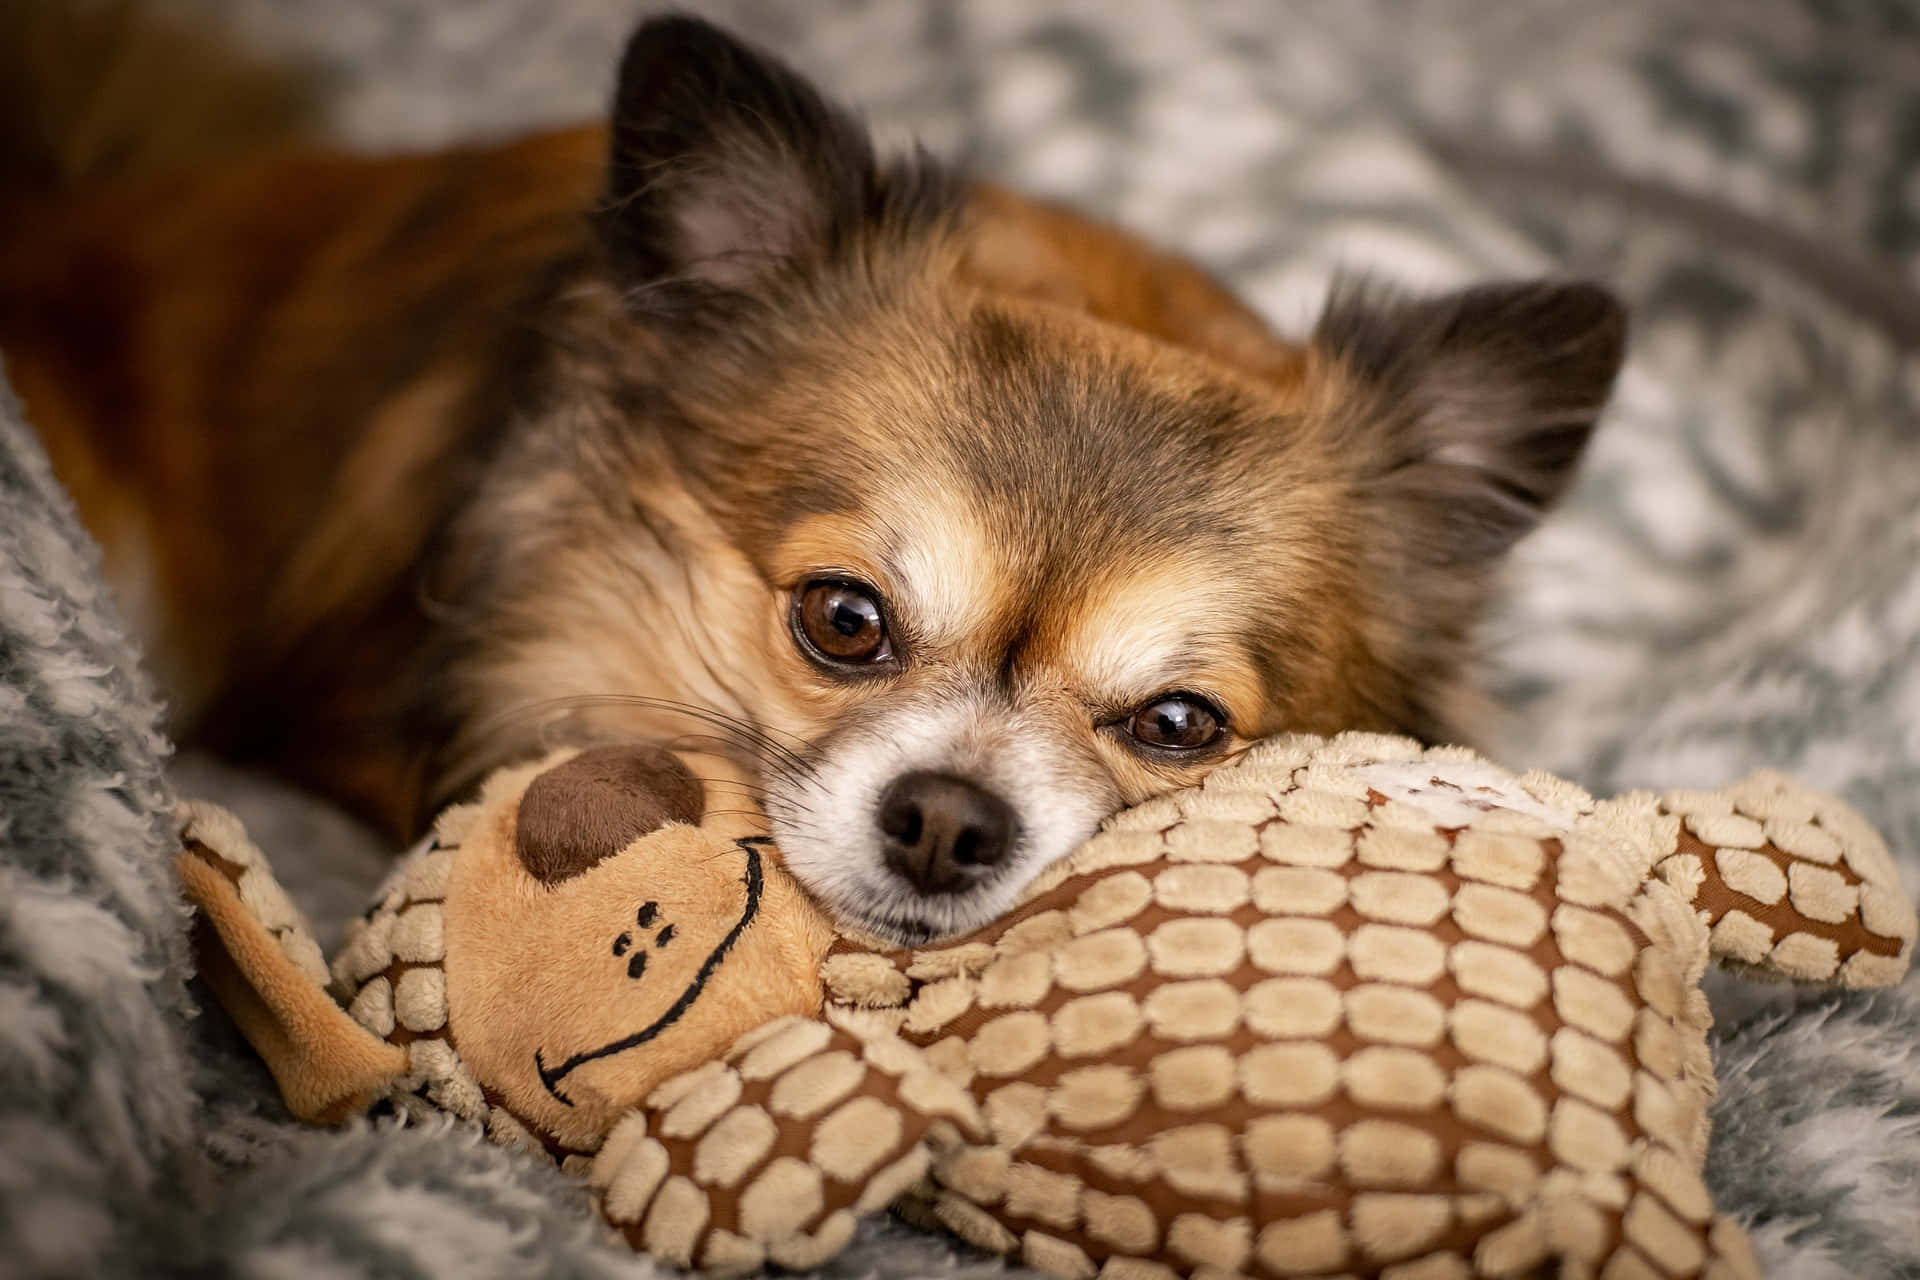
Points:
841	622
1178	722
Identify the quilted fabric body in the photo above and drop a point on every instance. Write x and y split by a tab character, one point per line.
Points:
1354	1006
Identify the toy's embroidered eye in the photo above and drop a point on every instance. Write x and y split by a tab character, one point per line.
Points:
840	623
1178	722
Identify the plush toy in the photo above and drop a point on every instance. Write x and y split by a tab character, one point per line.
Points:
1351	1007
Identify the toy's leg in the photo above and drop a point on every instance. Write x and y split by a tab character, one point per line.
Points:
254	950
773	1153
1791	882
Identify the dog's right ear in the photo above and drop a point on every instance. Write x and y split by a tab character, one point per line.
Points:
729	170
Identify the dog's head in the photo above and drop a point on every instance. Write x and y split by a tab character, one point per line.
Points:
986	519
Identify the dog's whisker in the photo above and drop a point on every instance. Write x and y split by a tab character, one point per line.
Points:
725	793
748	729
707	742
728	786
742	784
735	734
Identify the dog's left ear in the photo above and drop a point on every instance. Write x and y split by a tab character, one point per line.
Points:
1473	406
728	169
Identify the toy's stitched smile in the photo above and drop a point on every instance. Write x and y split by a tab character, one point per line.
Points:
645	917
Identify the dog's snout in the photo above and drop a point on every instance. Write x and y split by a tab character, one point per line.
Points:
943	834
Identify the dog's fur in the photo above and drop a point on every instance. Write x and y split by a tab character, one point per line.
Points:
394	459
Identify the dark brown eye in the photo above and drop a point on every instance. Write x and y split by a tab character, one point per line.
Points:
1178	722
841	623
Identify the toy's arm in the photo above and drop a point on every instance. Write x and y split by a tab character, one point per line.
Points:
256	953
772	1153
1789	881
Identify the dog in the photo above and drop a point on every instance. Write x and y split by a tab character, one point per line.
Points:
945	521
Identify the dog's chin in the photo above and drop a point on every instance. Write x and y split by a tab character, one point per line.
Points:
907	919
900	932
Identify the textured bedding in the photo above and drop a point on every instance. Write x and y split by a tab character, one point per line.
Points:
1735	582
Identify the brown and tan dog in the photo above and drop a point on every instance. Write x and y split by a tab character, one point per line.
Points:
958	520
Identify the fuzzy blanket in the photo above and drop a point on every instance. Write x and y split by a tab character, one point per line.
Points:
1736	581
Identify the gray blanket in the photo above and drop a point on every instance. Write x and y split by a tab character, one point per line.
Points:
1736	581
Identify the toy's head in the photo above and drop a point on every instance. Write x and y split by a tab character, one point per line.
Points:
559	948
597	940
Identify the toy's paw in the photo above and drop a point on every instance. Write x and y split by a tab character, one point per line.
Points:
772	1154
1791	881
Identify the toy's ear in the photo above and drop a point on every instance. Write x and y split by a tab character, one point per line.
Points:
1790	881
589	808
254	950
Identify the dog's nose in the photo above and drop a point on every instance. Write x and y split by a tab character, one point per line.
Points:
943	834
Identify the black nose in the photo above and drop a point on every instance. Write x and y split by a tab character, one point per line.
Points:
943	834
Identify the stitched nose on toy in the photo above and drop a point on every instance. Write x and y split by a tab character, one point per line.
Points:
943	834
598	803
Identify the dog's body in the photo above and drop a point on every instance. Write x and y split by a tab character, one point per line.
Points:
958	520
264	443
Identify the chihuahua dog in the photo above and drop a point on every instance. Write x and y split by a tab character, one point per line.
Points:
947	521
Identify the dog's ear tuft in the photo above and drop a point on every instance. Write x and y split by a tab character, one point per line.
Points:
728	168
1478	403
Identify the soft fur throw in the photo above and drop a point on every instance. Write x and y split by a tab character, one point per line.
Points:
1736	583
